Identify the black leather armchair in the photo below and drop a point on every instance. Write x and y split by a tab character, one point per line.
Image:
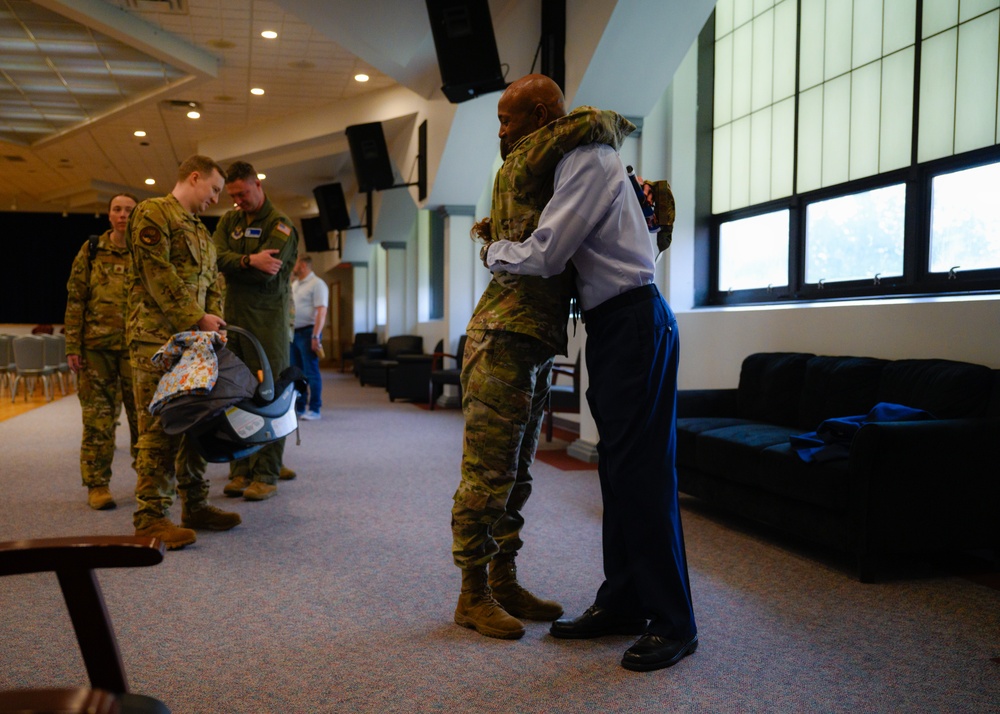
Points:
408	378
373	365
563	397
441	375
361	341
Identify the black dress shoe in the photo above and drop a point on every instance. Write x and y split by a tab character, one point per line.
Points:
596	622
654	652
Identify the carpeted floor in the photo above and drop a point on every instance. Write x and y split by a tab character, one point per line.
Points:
337	595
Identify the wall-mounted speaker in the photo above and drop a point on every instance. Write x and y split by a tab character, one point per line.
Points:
315	235
332	207
466	48
370	156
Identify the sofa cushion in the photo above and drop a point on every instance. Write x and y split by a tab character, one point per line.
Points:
838	387
783	473
946	389
770	383
688	429
733	452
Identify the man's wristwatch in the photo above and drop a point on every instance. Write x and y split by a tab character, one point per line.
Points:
245	262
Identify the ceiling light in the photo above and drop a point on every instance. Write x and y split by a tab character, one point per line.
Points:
257	90
262	176
361	77
139	132
193	114
150	182
269	34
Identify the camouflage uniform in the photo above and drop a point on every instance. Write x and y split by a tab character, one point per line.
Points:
258	302
175	282
95	330
515	332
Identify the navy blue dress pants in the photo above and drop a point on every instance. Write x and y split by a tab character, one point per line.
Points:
632	357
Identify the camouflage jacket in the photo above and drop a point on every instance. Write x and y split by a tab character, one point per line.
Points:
175	280
97	292
529	304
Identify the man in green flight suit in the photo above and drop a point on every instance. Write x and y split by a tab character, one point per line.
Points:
95	348
175	286
257	246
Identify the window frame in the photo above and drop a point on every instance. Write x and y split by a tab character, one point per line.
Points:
916	281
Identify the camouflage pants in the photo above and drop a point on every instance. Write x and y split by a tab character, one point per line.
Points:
157	451
263	465
505	384
105	385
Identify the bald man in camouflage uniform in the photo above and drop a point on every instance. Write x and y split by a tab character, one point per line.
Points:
175	287
95	349
257	246
515	332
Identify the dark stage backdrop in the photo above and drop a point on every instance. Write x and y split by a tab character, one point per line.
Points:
38	252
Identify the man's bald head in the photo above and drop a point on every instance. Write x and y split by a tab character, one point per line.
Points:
529	103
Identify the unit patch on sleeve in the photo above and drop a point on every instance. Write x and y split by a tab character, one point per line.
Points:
150	236
283	228
252	232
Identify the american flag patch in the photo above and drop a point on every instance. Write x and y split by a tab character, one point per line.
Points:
282	228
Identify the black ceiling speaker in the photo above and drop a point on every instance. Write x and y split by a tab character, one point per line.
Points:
466	48
332	206
315	235
370	156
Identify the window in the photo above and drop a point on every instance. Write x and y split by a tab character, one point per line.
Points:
871	127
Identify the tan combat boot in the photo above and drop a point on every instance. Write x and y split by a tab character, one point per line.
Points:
260	491
210	518
514	598
100	499
172	536
478	610
236	486
286	474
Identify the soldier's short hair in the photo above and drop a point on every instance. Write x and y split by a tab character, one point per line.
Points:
197	162
240	171
307	259
126	194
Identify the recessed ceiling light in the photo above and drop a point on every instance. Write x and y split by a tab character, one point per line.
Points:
139	132
262	176
150	182
257	90
361	77
193	114
269	34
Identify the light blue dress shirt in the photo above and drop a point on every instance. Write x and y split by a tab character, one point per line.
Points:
593	219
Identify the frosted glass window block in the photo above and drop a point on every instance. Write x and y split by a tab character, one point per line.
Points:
811	45
782	148
763	65
838	38
723	18
760	156
836	130
740	167
896	127
856	237
723	106
976	93
742	12
899	26
965	220
939	15
867	39
865	101
742	65
968	9
784	49
753	252
721	157
810	150
937	96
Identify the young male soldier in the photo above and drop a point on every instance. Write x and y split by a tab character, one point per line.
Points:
257	246
515	332
175	287
95	348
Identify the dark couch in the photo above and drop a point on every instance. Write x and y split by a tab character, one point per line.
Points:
907	488
375	362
